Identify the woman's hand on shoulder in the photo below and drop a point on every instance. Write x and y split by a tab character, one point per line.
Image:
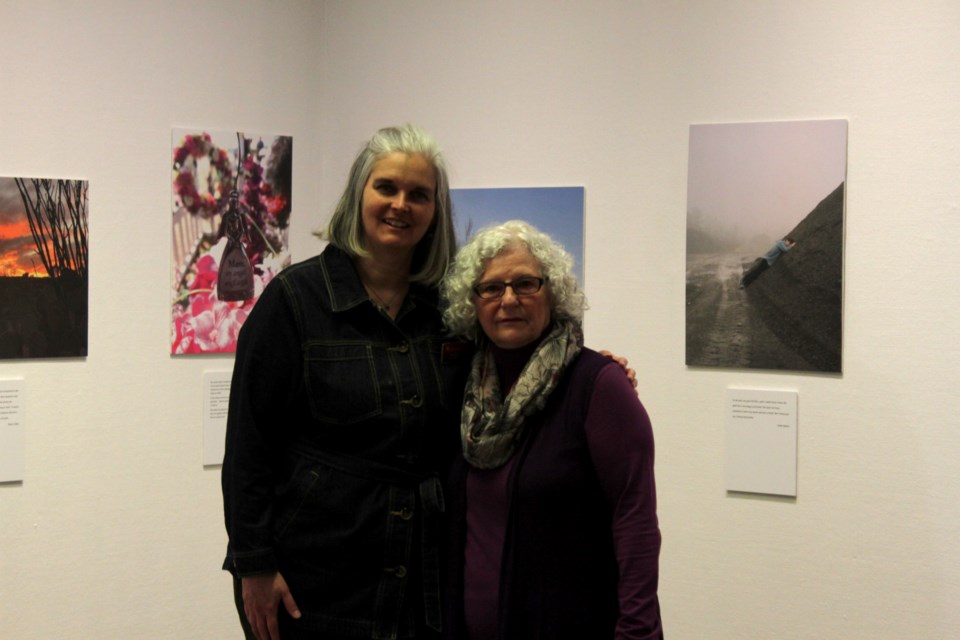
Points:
631	374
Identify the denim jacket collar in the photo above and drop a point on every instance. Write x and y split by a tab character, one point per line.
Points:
346	291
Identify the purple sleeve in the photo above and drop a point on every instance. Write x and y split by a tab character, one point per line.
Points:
621	446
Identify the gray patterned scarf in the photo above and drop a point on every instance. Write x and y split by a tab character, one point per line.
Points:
491	428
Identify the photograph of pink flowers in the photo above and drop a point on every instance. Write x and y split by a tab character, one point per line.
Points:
231	214
43	268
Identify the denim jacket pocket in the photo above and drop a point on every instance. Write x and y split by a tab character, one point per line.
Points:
330	536
292	498
342	383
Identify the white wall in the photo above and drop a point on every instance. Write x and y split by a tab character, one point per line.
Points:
117	529
116	532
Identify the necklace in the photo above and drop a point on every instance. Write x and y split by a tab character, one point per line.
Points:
396	288
384	304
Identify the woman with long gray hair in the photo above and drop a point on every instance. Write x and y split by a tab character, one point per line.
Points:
341	407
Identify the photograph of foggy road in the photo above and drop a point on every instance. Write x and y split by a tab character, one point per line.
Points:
764	276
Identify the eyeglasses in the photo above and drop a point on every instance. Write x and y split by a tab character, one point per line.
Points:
526	286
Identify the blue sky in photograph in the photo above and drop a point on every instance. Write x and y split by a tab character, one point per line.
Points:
557	211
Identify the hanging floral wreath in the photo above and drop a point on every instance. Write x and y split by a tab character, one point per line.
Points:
219	180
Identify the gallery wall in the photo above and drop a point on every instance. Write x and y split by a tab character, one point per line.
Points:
116	529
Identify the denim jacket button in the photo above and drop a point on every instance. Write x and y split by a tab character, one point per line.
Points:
404	514
400	571
416	401
403	347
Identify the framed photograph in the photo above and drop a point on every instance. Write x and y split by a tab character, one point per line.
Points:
765	218
231	206
43	268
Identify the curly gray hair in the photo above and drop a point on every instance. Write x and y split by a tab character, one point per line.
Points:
566	298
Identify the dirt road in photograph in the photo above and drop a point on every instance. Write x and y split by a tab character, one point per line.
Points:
724	328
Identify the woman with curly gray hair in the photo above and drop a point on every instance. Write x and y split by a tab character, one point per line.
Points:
460	314
554	530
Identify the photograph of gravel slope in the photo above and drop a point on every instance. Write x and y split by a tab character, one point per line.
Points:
764	276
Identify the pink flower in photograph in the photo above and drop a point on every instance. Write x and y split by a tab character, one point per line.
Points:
206	169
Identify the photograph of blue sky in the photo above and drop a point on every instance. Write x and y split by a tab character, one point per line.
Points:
557	211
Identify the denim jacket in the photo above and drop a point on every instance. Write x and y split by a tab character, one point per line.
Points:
339	418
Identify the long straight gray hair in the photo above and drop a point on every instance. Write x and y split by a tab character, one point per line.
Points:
345	230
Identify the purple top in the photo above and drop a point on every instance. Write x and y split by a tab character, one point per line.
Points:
623	459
